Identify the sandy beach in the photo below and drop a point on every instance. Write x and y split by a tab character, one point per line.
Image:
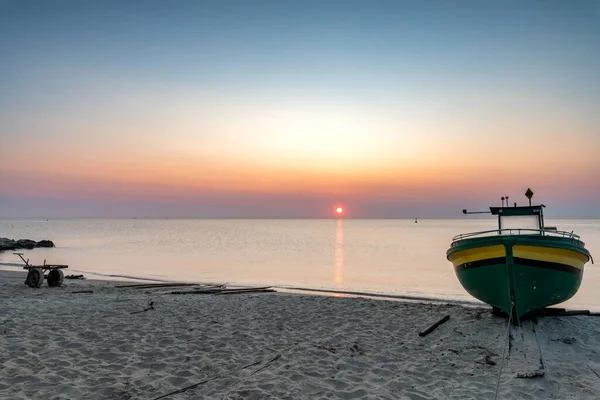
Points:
100	344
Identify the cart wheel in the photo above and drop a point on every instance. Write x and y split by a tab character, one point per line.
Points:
35	278
55	277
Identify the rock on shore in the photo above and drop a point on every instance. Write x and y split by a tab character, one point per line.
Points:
11	244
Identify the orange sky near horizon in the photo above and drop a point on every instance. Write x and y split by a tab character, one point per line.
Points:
125	174
344	152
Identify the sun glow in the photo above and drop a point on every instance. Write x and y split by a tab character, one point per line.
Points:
339	210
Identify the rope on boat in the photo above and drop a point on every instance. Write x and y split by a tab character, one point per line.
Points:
506	341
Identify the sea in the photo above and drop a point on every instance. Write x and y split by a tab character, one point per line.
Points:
395	257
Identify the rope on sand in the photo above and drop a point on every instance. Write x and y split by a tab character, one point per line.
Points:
543	367
597	374
263	366
502	360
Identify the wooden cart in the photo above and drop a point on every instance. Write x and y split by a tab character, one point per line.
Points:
35	277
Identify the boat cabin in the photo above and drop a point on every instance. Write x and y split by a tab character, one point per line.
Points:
527	218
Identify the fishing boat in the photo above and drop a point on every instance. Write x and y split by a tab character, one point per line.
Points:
523	265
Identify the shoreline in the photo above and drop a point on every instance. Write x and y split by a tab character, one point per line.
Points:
69	343
474	303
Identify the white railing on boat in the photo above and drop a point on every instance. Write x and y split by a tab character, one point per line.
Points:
517	231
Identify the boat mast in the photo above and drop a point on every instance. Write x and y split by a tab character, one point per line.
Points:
529	195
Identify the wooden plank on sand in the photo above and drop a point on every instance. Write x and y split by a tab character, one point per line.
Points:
432	327
155	285
236	291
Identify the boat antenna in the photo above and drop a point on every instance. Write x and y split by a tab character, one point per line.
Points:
529	195
475	212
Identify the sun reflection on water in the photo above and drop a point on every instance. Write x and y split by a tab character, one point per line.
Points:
339	252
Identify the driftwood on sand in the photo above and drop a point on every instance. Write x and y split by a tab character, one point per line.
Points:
154	285
198	288
150	307
250	290
595	373
222	290
262	367
432	327
80	276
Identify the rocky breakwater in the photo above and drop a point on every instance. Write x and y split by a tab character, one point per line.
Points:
11	244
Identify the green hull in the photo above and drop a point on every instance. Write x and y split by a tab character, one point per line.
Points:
533	288
519	273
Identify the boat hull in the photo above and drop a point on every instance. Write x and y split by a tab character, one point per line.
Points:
519	273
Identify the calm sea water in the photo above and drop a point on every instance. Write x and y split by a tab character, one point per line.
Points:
398	257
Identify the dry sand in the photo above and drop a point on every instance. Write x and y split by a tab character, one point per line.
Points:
55	344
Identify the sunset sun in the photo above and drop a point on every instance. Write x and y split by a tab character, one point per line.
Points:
339	210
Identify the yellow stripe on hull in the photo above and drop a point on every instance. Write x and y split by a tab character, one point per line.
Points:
477	254
551	254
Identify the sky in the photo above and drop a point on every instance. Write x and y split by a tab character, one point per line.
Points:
289	109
